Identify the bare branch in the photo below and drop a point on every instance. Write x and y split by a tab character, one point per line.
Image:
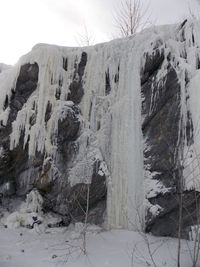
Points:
85	38
131	17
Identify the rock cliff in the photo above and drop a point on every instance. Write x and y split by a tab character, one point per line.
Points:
115	124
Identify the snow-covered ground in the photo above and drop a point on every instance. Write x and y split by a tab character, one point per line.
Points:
64	247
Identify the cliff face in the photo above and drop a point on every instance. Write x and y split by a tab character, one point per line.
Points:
170	129
116	123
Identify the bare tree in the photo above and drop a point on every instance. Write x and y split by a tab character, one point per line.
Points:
85	38
131	17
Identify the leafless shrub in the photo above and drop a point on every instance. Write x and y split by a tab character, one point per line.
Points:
85	38
131	17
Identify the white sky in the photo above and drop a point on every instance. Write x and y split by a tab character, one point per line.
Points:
25	23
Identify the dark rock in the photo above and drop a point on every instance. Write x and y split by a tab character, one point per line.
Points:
6	102
28	72
25	86
96	214
68	127
48	111
76	87
161	111
72	201
161	124
65	64
32	119
166	224
13	161
76	92
117	75
107	81
97	195
82	64
183	23
152	64
54	256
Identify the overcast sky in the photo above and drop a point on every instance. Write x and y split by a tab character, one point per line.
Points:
25	23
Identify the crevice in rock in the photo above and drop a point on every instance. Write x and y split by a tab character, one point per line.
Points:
107	82
76	87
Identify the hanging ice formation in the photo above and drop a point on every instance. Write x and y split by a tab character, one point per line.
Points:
103	84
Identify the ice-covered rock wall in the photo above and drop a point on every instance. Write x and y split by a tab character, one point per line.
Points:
170	110
117	122
74	115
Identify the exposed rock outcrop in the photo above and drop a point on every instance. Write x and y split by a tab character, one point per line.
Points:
168	132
